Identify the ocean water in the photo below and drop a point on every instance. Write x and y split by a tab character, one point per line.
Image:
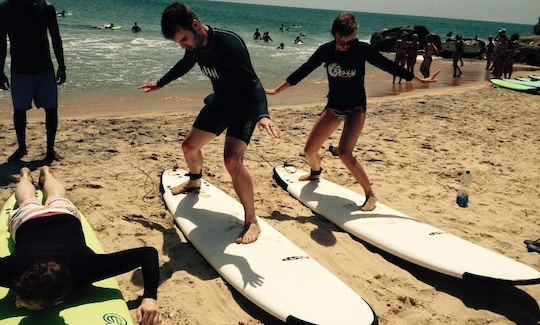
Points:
102	60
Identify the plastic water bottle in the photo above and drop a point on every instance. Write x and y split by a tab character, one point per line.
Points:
463	193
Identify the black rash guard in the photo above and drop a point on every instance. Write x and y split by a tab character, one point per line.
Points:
27	26
345	71
225	60
61	238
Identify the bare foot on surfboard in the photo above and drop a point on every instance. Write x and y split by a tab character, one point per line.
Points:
249	234
370	204
189	186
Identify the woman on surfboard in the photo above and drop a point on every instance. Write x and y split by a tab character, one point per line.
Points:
344	59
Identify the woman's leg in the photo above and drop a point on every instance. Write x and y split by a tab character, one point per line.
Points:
354	123
322	130
25	189
52	188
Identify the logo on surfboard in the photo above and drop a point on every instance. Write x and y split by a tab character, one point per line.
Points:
294	258
114	319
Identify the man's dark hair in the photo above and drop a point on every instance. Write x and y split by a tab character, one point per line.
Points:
344	24
175	17
45	282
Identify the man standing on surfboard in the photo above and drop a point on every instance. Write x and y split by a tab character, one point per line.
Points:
344	59
238	103
27	22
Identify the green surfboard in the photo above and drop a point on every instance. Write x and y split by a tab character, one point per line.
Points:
99	304
514	86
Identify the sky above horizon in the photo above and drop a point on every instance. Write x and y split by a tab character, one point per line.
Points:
516	11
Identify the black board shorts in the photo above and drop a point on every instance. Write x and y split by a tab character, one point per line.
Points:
238	118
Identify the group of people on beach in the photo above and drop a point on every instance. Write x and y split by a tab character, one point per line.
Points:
501	53
238	104
407	48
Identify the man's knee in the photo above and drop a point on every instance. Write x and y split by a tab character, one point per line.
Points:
232	162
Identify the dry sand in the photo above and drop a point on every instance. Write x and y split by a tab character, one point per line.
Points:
413	148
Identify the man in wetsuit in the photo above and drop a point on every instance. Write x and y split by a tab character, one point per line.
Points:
51	259
26	23
238	103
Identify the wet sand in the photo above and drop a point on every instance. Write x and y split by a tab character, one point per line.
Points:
174	97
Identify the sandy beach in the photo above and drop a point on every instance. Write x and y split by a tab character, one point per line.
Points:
414	147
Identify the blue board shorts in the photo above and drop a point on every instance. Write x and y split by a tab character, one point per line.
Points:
38	87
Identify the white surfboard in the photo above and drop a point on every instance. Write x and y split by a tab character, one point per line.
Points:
403	236
272	272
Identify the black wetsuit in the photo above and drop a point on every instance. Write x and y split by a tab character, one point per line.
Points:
61	238
239	100
27	25
345	71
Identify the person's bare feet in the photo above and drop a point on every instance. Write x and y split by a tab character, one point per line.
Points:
189	186
44	172
18	154
26	173
370	204
249	234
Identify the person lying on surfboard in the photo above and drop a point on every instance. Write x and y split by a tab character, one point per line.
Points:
51	259
238	103
344	59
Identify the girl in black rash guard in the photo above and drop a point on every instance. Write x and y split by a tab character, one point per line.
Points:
344	59
51	259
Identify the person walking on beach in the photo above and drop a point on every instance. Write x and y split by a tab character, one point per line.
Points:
26	23
238	103
457	57
401	53
344	59
51	259
412	52
430	50
490	48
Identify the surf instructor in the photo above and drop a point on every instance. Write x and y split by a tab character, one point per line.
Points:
26	23
344	58
238	103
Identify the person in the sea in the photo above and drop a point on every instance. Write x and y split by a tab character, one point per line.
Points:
281	46
536	29
61	13
136	28
257	34
344	59
27	23
51	260
266	37
238	104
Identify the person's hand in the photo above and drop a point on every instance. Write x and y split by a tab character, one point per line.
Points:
429	79
148	312
271	91
60	76
4	82
151	86
267	125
